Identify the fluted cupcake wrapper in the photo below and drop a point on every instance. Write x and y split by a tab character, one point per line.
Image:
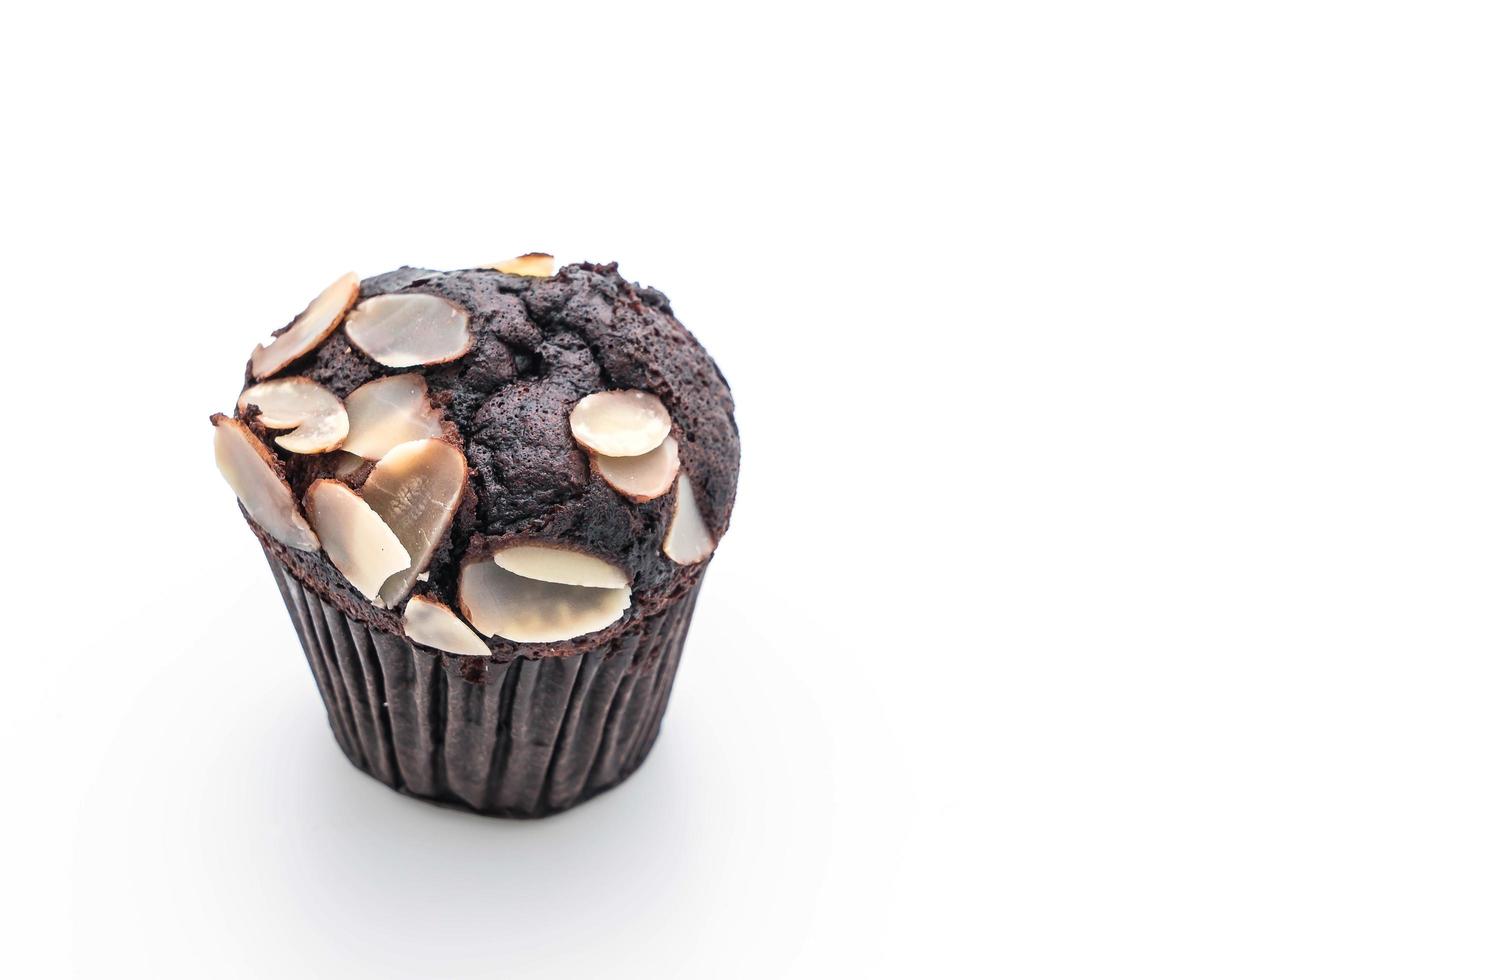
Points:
521	739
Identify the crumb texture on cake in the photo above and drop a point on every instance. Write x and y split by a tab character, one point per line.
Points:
537	345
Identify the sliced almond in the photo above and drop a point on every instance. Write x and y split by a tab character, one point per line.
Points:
434	624
388	412
688	541
538	264
250	470
415	489
346	464
548	563
314	413
525	610
620	423
640	478
409	329
357	540
308	330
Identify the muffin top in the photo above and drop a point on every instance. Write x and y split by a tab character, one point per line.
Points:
493	461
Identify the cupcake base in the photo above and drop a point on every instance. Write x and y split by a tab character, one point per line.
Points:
520	739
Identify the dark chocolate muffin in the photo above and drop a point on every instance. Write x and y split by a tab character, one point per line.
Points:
488	498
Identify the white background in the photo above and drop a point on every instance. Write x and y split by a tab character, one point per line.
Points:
1114	584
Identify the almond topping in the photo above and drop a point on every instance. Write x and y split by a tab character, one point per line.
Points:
388	412
314	413
357	540
251	471
688	541
548	563
347	464
620	423
433	624
640	478
308	330
415	489
409	329
538	264
500	603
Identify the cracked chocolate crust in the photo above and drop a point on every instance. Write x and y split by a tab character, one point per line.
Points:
540	345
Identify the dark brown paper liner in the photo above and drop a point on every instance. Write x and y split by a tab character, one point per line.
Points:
520	739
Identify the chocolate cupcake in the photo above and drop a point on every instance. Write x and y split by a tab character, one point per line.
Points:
488	498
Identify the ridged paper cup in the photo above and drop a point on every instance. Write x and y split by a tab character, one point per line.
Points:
523	738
